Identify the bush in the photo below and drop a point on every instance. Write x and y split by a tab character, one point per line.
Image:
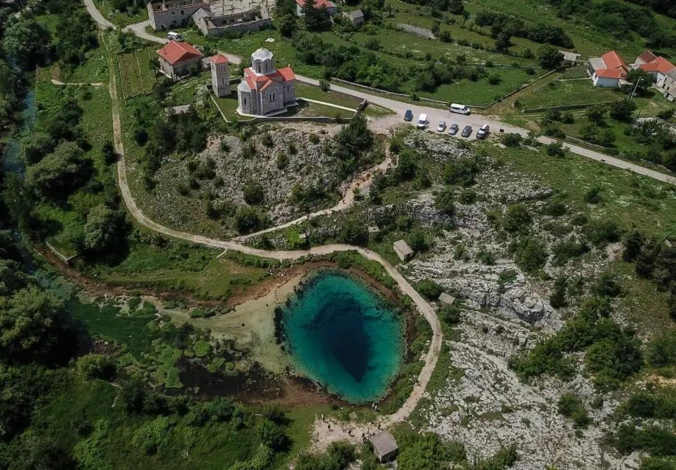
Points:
444	202
511	140
558	297
253	193
571	406
418	242
273	435
429	289
248	220
353	231
517	218
461	172
450	314
555	149
602	232
530	255
593	196
96	366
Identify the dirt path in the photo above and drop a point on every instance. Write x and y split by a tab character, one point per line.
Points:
60	83
422	305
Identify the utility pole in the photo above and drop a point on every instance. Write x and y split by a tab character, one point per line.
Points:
635	87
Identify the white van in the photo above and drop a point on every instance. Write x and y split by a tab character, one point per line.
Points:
422	121
173	36
459	108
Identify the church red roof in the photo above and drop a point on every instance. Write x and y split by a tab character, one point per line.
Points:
219	59
261	82
174	52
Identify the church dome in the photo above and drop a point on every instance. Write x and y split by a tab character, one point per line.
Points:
262	54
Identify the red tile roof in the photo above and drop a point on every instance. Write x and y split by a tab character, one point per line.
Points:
219	59
318	3
261	82
660	64
287	73
647	56
613	60
611	73
174	52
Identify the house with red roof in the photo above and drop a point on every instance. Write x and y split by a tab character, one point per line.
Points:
609	70
264	90
177	58
657	66
328	4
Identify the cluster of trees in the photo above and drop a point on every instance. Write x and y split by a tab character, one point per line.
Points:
452	6
658	140
347	63
653	260
621	18
612	353
353	144
659	6
431	75
506	26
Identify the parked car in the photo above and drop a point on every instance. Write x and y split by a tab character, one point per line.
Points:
483	132
467	131
453	129
173	36
459	108
408	115
422	121
442	126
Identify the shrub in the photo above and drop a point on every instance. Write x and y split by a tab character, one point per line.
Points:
429	289
253	193
248	220
558	297
530	255
555	149
602	232
555	209
450	314
467	196
418	242
517	218
593	196
96	366
444	202
571	406
511	140
353	231
462	172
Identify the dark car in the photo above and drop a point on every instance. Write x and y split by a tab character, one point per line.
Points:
408	115
453	129
483	132
467	131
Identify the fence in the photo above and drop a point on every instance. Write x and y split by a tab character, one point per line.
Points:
565	107
323	119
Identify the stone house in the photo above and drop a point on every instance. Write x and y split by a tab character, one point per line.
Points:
212	23
403	251
167	13
384	446
356	17
177	58
328	4
656	66
669	86
264	90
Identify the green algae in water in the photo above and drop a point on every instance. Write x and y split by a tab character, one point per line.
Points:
342	335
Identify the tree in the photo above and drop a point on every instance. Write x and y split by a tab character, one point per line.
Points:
102	231
352	142
641	79
503	42
253	193
273	435
288	25
633	243
31	325
549	57
444	202
27	41
517	218
316	19
353	231
60	173
555	149
511	140
596	114
406	166
622	110
248	220
96	366
418	241
558	297
36	146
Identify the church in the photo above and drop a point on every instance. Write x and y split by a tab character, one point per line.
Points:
264	90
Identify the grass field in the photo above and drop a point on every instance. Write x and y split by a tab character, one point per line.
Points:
137	75
181	266
118	18
97	126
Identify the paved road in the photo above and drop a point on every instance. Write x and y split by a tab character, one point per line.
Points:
434	115
97	16
424	308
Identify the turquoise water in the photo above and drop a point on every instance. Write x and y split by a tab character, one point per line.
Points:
341	334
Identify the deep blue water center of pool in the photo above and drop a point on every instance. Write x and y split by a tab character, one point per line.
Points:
342	334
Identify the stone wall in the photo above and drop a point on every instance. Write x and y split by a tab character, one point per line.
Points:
164	15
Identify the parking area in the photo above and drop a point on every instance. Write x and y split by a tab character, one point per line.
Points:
457	123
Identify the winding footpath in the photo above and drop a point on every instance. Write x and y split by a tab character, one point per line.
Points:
424	308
